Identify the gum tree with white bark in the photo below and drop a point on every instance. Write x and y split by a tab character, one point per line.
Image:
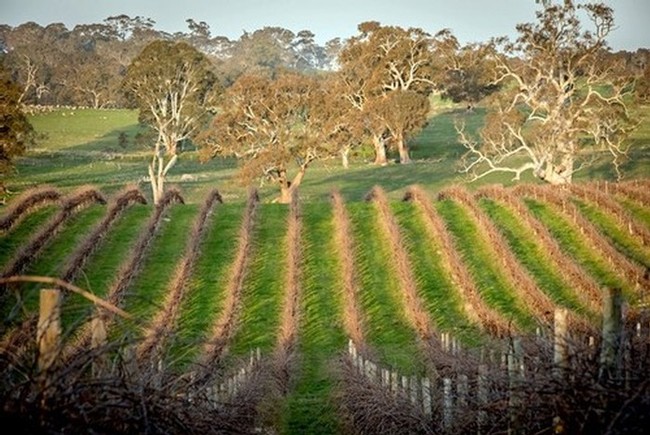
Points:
275	127
563	103
176	91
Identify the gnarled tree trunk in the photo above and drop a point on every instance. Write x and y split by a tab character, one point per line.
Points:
288	187
557	174
380	150
403	150
157	172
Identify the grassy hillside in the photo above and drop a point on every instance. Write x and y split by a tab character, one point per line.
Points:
84	147
477	262
388	334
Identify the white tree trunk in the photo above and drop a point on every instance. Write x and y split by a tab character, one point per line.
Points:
403	150
380	151
345	160
557	175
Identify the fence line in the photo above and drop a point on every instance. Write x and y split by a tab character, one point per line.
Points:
506	374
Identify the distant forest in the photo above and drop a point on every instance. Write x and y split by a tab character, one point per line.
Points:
85	66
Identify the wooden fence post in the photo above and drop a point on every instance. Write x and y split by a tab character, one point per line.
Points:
413	390
560	346
48	334
611	351
482	393
98	341
515	378
394	382
426	396
447	403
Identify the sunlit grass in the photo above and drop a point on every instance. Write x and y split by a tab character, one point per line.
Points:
441	299
146	293
524	244
264	285
625	243
574	244
206	287
12	240
51	260
491	284
102	267
642	214
321	336
387	328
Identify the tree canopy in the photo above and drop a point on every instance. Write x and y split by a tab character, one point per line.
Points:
175	90
16	133
380	61
562	98
272	125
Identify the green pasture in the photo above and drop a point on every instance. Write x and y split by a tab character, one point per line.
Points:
575	244
106	149
479	256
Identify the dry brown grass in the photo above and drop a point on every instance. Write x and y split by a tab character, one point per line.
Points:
285	349
630	190
344	242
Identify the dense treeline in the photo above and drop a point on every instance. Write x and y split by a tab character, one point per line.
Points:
98	54
557	98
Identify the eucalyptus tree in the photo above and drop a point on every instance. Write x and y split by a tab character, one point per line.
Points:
275	127
465	71
175	91
382	60
16	133
561	101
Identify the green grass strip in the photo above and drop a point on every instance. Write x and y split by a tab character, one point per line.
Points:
435	286
619	236
575	245
264	285
387	328
642	214
480	260
53	256
147	291
205	290
19	235
102	266
524	244
310	407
